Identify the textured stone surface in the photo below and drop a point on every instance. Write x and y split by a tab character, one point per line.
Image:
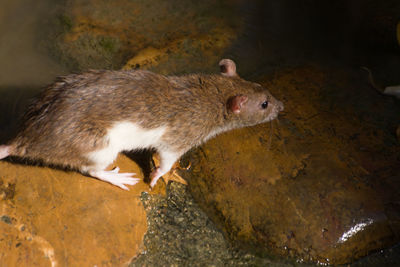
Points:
146	32
181	234
55	218
320	184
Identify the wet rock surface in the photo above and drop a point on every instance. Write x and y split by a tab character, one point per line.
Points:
181	234
321	184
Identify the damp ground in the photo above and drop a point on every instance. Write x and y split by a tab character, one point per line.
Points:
180	234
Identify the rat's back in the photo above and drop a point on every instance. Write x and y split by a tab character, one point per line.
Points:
84	120
71	116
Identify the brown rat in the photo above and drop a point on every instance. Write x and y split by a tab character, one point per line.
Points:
84	120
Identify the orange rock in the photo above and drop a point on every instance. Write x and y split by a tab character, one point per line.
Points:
62	218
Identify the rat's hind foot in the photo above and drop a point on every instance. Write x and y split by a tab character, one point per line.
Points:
116	178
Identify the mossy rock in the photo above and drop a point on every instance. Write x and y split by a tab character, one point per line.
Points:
116	32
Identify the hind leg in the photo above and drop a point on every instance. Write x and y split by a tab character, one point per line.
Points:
101	159
115	177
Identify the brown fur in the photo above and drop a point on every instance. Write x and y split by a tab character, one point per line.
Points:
71	117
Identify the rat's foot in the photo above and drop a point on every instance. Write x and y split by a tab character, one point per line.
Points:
155	176
167	159
115	178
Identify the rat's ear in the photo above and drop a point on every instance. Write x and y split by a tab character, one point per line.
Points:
228	67
235	103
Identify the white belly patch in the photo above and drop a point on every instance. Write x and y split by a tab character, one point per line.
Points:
125	136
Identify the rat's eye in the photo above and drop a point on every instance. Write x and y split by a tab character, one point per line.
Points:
264	105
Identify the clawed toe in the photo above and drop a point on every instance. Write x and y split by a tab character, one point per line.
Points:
116	178
115	170
129	181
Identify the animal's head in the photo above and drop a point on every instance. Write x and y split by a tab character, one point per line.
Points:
253	104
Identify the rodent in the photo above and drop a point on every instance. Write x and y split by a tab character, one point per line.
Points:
82	121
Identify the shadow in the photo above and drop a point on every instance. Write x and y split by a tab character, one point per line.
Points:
13	104
145	161
279	34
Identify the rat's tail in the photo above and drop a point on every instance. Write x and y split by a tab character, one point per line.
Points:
5	151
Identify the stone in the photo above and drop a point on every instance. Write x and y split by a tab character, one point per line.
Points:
51	217
144	33
320	184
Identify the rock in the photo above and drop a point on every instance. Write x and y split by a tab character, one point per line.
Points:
108	35
180	234
321	184
199	50
57	218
